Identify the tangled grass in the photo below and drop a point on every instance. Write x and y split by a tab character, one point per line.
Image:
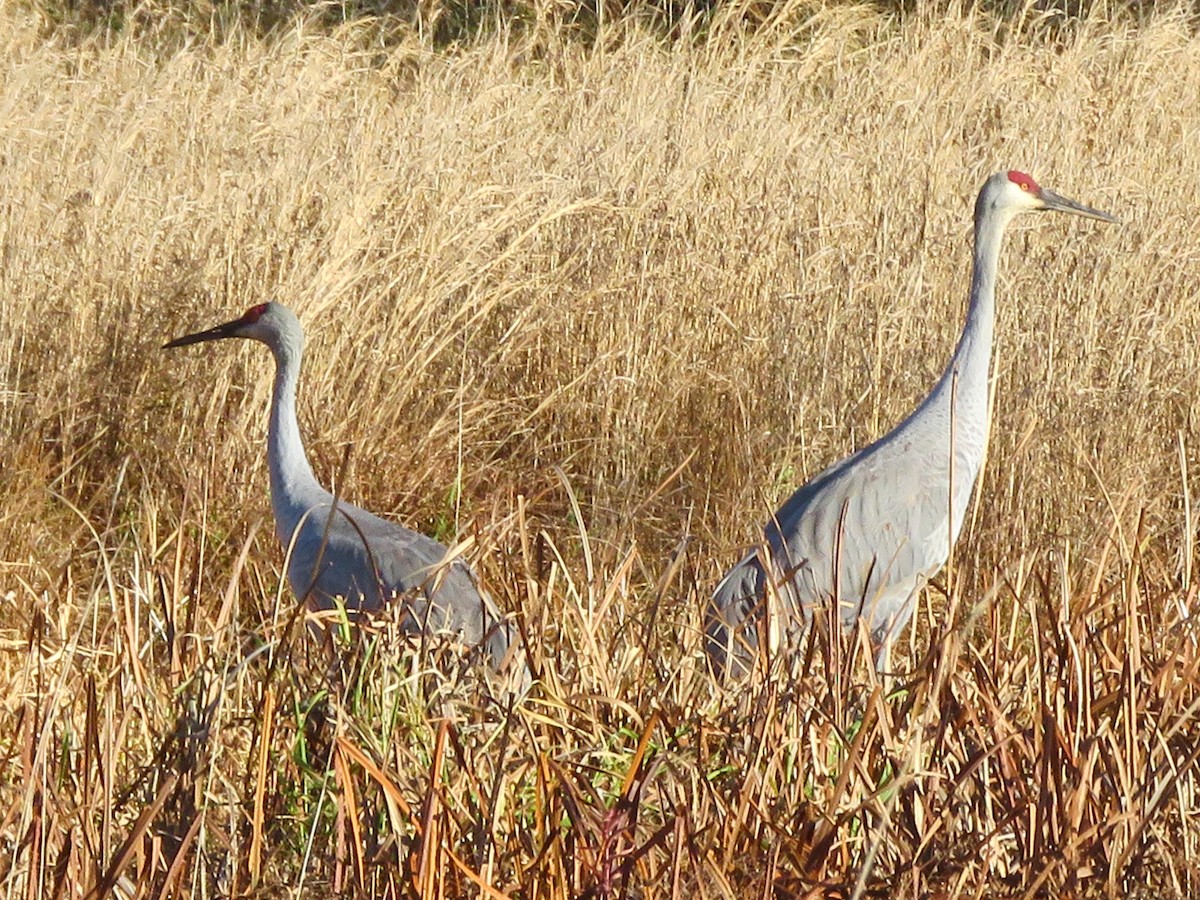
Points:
595	309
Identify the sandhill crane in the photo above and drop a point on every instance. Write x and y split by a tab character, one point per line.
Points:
355	555
865	534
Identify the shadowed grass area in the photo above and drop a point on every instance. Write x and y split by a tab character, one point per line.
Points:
599	308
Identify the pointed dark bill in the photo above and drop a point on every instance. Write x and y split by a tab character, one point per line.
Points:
229	329
1059	203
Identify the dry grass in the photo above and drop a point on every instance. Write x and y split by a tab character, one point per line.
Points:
600	309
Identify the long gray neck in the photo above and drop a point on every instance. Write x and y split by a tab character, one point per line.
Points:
956	410
967	373
294	488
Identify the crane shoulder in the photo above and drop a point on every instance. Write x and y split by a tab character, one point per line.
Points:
360	554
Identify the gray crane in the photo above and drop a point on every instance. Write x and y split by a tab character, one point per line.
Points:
352	554
864	535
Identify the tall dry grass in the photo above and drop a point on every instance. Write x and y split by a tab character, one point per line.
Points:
600	309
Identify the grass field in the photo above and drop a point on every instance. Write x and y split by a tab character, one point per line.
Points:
594	308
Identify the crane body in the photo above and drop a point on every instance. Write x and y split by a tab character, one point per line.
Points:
348	553
867	532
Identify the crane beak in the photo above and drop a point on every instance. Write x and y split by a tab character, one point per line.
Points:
1059	203
229	329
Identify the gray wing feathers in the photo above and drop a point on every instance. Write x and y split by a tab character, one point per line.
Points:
368	561
882	523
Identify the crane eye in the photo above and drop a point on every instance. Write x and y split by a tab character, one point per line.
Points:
1024	185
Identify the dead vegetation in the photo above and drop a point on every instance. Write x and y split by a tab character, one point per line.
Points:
600	308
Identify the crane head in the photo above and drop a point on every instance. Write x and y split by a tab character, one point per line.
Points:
265	322
1011	193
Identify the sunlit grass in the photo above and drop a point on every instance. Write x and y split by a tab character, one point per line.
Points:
599	307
